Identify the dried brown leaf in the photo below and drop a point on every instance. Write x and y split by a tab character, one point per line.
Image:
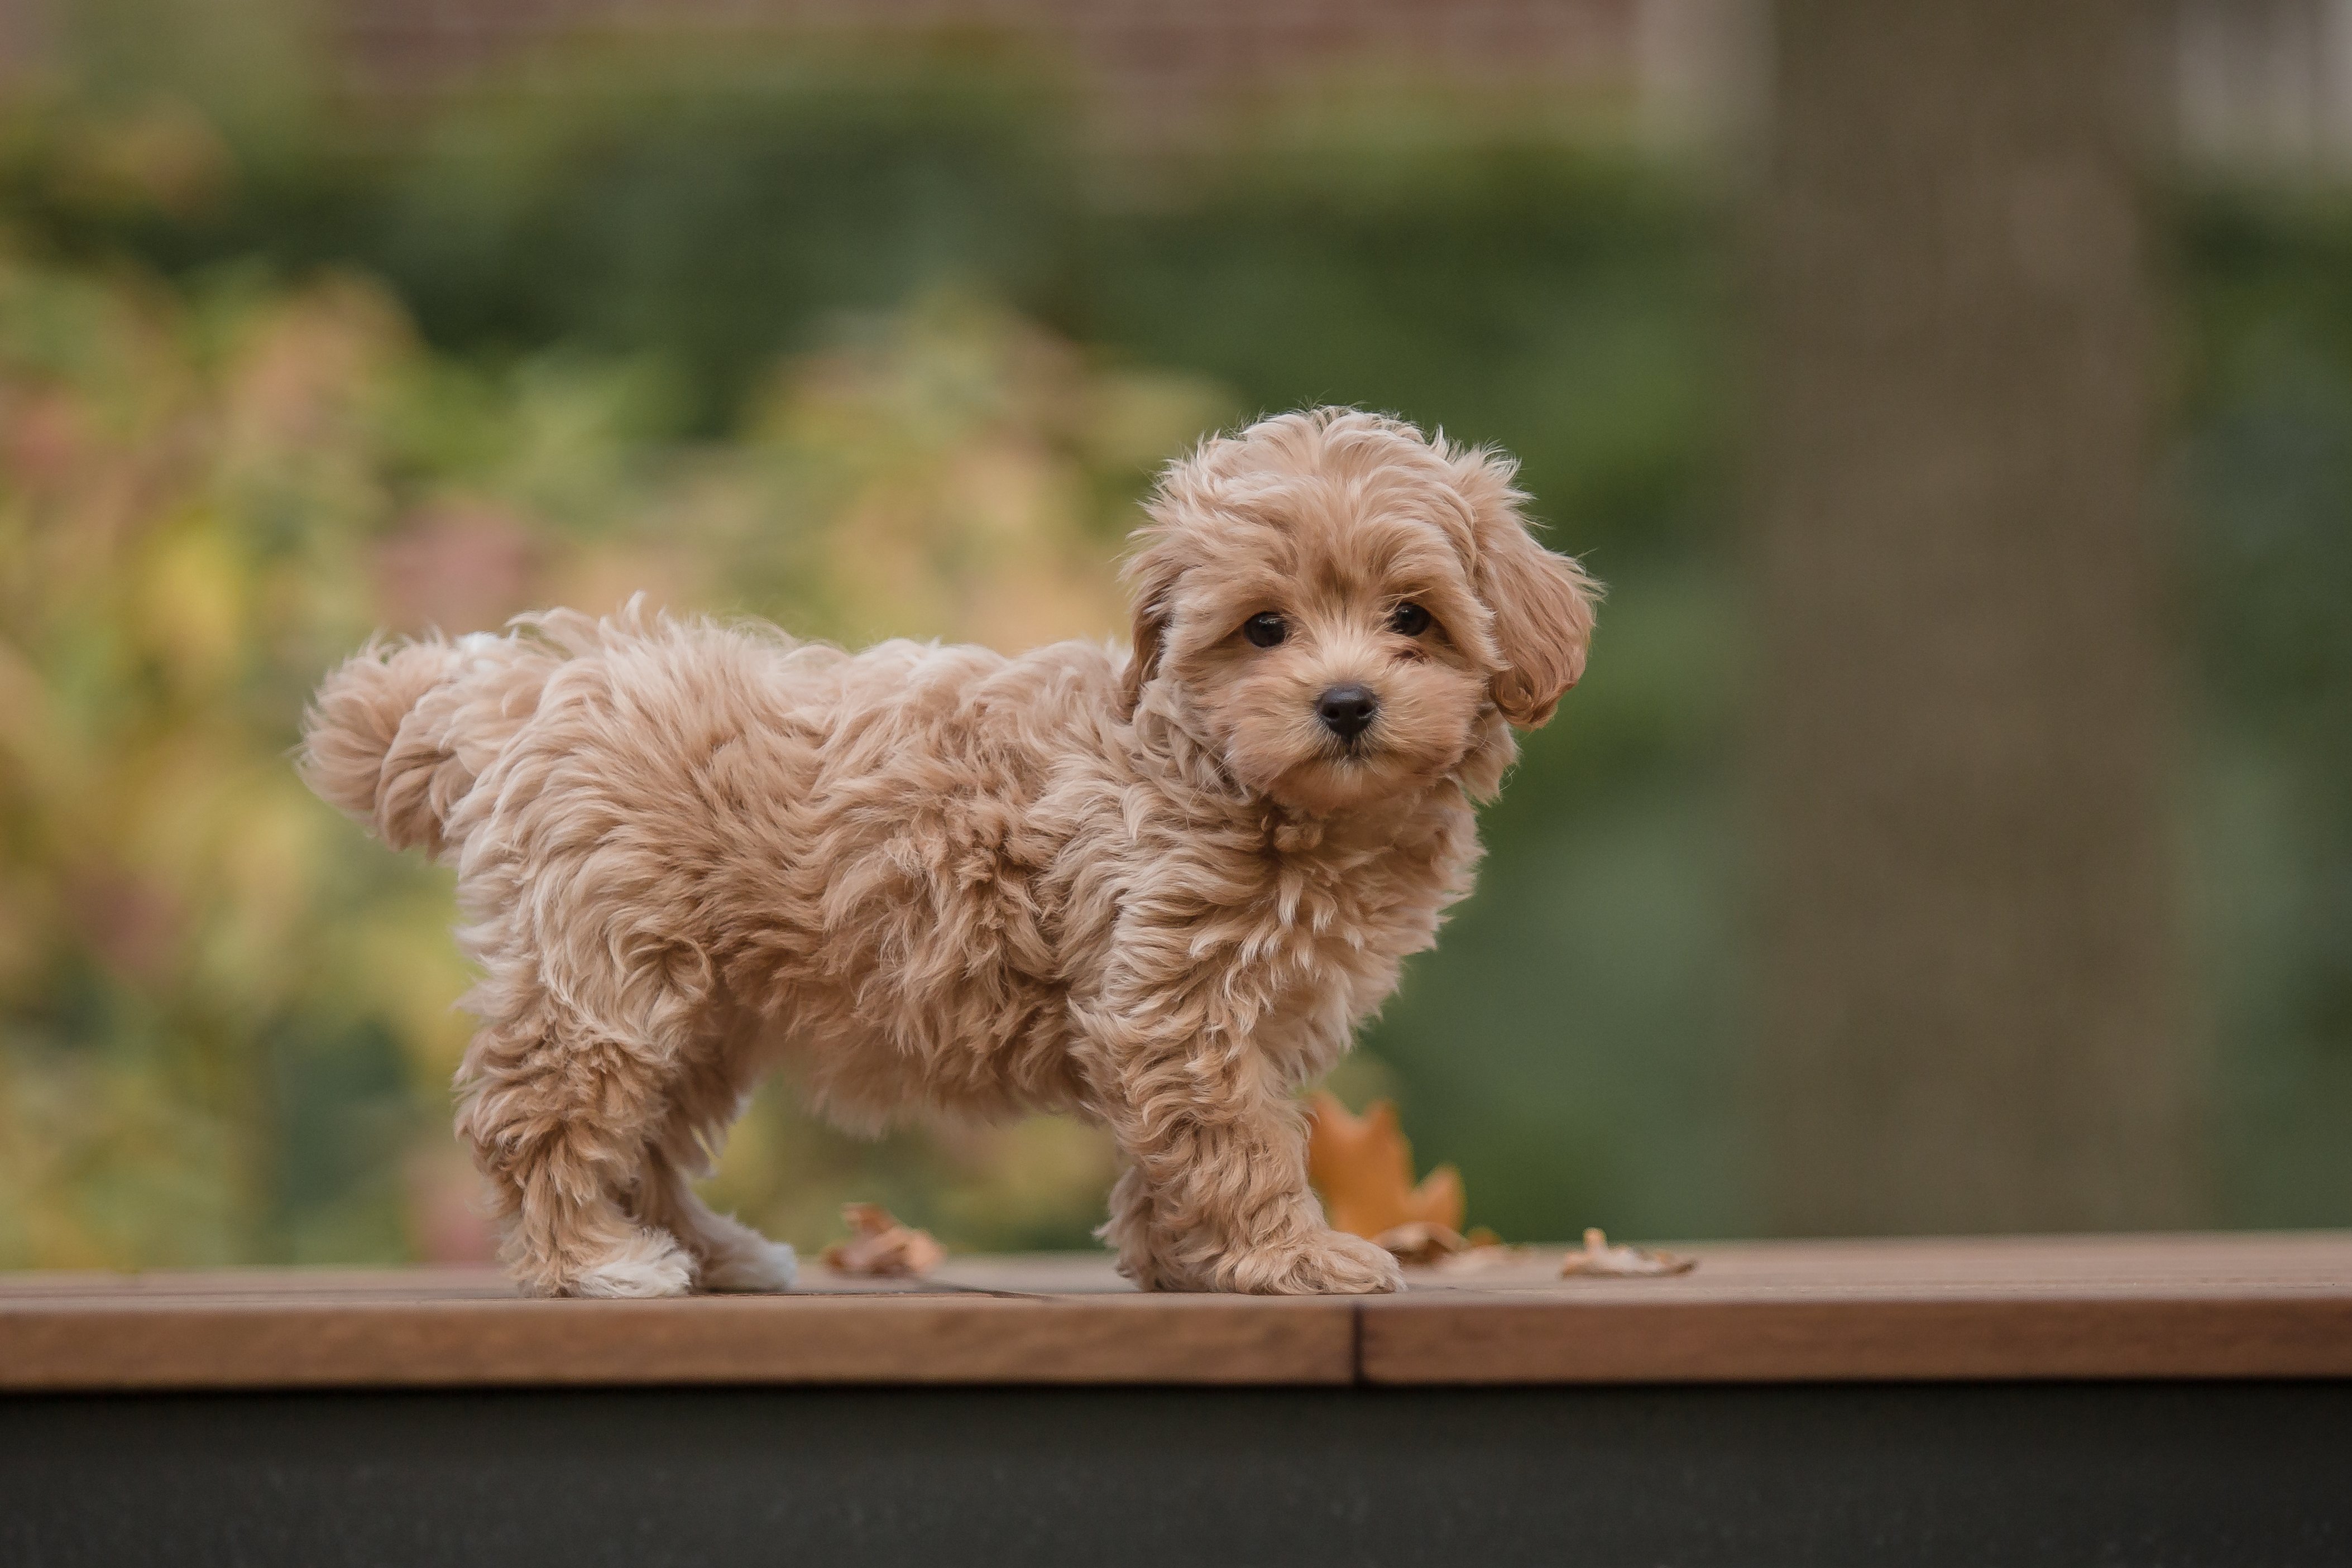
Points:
880	1246
1600	1258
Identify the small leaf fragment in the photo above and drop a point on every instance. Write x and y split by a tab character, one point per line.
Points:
1420	1242
1480	1256
1600	1258
880	1247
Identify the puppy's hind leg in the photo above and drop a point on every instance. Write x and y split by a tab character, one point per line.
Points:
559	1118
730	1254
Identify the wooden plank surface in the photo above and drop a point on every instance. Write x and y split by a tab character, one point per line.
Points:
1896	1310
2076	1307
982	1321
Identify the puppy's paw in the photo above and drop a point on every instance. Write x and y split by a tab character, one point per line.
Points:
1332	1262
650	1264
762	1266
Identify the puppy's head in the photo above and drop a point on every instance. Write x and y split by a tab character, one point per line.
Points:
1346	610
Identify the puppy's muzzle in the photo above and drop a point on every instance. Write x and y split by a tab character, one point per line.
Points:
1347	711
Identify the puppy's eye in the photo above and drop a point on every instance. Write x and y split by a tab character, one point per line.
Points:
1266	630
1409	620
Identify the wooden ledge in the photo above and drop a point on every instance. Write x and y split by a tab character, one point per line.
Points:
2101	1307
2147	1308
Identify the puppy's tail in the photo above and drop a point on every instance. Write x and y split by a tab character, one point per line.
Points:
397	737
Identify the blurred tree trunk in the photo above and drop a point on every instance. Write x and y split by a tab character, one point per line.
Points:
1970	1015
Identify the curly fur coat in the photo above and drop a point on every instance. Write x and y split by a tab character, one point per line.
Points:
1157	890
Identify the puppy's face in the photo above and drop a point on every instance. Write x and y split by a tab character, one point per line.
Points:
1346	610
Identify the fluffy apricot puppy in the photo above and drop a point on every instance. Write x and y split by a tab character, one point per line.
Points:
1159	890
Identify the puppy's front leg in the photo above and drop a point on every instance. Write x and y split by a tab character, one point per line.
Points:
1215	1196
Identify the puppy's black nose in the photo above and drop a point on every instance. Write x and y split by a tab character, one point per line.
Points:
1347	711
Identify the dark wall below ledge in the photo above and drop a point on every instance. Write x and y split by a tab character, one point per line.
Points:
1921	1474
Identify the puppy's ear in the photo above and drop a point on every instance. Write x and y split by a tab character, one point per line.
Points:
1542	602
1153	576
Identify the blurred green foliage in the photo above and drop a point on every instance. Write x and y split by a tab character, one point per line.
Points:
2264	474
876	345
225	1019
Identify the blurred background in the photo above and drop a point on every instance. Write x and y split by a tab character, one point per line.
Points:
1954	833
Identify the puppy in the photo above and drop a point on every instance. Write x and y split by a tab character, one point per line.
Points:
1159	890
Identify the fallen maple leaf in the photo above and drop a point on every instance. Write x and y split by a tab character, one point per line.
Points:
879	1246
1600	1258
1363	1167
